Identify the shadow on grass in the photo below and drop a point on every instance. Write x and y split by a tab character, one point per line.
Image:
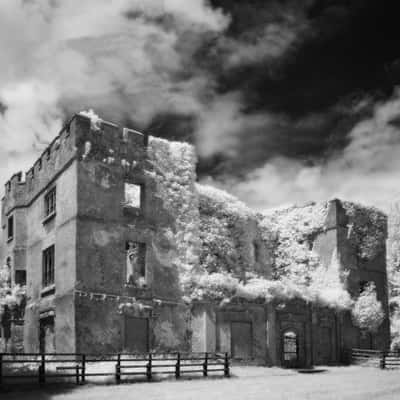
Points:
311	370
34	391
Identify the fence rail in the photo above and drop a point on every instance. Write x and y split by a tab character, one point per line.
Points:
42	368
379	358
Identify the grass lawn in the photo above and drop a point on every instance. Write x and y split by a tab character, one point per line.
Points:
248	383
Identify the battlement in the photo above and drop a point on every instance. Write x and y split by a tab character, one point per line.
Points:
80	139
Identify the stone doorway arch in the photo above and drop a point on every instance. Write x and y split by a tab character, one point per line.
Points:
290	348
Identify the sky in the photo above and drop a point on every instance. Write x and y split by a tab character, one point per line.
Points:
286	101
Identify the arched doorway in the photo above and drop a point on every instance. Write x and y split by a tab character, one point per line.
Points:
290	349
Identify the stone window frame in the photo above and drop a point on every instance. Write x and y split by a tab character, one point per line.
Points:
10	227
142	247
142	186
50	204
20	277
48	269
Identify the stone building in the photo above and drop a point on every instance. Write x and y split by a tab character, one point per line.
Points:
121	250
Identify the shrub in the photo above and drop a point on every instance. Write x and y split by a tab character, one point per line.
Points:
367	311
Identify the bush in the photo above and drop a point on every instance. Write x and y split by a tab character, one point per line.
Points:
367	311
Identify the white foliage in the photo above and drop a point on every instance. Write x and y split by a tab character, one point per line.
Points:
95	120
10	297
368	312
220	202
174	170
295	228
368	229
327	285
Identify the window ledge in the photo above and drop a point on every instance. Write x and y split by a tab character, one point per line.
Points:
131	210
49	217
48	290
136	286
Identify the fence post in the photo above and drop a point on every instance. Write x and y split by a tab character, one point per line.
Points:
383	361
178	366
77	373
350	355
205	364
148	373
42	370
226	366
83	378
118	370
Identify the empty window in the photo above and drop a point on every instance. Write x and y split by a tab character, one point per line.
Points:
48	266
133	195
20	277
363	285
255	250
10	227
50	202
135	263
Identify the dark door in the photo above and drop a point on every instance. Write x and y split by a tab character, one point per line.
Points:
365	340
241	340
290	349
324	346
137	334
46	335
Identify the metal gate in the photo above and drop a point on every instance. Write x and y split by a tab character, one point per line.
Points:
290	349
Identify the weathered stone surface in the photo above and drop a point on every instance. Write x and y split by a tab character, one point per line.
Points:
190	233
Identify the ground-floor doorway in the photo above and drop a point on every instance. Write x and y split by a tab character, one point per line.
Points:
136	334
46	335
241	340
290	349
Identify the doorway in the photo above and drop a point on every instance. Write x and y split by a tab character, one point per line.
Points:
290	350
241	340
136	334
46	335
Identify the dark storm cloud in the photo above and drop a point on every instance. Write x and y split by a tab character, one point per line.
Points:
339	55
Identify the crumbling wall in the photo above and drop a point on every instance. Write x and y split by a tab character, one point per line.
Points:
165	222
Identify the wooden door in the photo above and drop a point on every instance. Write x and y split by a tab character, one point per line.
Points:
137	334
324	346
241	340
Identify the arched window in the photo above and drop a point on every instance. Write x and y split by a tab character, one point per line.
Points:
290	347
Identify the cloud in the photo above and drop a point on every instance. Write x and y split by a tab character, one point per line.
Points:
129	60
133	60
62	56
280	29
366	171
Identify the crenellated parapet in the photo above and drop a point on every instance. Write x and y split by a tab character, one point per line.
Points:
79	140
111	144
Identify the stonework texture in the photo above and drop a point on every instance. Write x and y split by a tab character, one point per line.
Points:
177	266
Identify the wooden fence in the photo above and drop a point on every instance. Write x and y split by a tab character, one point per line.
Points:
50	367
378	358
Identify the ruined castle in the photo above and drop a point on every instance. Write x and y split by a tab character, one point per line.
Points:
121	250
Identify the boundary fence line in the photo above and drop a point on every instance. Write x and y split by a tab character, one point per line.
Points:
45	367
379	358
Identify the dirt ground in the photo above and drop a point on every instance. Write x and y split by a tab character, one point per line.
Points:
247	383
